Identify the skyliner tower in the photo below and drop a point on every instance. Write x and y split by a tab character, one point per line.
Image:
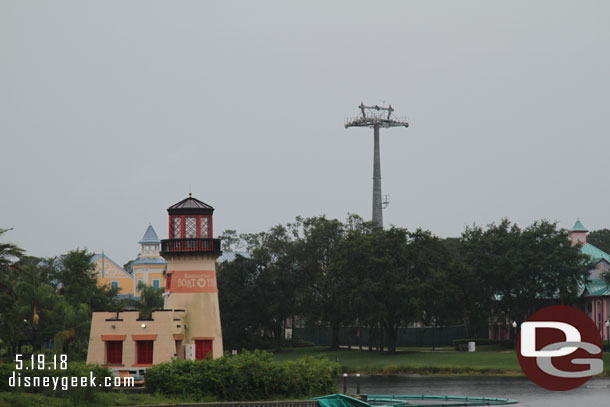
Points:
376	117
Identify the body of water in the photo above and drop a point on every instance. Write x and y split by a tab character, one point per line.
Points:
594	393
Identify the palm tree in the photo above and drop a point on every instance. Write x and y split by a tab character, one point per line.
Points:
9	252
150	299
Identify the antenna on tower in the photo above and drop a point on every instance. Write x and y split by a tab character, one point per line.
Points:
386	201
377	117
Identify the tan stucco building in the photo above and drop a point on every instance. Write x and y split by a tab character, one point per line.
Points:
189	326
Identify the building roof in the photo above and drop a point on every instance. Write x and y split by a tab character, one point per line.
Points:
578	227
597	288
150	236
190	205
106	258
144	261
594	253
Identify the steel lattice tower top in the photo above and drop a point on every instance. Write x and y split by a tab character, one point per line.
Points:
376	117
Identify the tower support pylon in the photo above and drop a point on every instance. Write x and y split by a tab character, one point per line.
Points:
376	117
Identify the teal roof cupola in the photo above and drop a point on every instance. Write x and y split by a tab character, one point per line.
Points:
578	227
578	233
150	236
151	245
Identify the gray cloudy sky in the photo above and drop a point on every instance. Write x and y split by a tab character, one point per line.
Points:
110	109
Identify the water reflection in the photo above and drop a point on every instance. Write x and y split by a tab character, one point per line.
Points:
596	392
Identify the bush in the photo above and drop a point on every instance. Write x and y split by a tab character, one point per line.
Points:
247	376
75	369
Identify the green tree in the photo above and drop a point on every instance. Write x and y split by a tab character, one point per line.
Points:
278	281
231	241
546	267
485	257
9	252
72	335
600	239
241	313
514	271
74	273
128	267
393	268
150	299
10	324
35	306
328	277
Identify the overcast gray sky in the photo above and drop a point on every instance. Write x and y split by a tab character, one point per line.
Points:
110	109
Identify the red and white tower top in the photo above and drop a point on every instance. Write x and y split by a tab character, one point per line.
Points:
191	228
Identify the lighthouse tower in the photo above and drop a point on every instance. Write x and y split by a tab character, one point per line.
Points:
191	252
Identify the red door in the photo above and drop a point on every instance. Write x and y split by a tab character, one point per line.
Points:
203	348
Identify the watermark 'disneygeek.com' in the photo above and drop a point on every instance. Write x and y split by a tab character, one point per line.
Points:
38	365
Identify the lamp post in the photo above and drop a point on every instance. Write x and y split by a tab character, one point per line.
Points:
608	333
515	333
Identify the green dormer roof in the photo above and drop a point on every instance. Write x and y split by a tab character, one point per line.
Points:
597	288
578	227
594	253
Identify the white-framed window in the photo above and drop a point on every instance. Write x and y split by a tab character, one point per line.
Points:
205	233
156	283
190	228
139	283
114	284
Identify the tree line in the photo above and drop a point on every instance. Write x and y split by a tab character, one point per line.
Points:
353	274
322	271
47	302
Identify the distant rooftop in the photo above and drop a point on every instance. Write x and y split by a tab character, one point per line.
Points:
190	205
142	261
578	227
594	253
150	236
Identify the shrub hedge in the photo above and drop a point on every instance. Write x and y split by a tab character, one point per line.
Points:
247	376
75	369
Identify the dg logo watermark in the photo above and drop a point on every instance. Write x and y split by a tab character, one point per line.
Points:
560	348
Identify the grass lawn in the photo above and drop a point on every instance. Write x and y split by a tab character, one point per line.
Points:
486	360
